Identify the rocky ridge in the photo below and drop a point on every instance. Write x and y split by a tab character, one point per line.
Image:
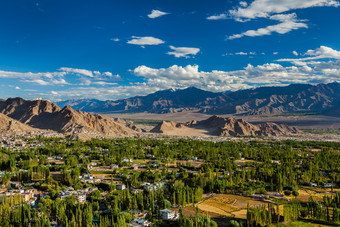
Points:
220	126
295	98
10	126
43	114
165	126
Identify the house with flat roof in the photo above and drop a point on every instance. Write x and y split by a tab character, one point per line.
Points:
167	214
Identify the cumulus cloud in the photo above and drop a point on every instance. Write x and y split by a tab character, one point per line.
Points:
274	10
221	16
265	8
244	4
156	13
295	53
288	23
320	65
82	72
93	75
322	52
143	41
185	52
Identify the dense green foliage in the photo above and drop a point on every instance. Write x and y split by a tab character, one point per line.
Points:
267	166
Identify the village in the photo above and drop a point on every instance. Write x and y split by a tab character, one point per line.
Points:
58	169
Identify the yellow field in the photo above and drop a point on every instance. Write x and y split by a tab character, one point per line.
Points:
317	194
228	205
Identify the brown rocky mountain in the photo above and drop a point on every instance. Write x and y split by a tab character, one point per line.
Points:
11	126
167	126
238	127
260	101
26	111
42	114
220	126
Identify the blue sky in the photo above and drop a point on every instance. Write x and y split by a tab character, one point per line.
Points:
110	49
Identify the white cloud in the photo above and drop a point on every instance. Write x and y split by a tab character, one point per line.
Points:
244	4
288	23
322	52
265	8
103	83
115	39
183	51
320	65
17	88
221	16
29	75
82	72
241	53
143	41
156	13
295	53
38	81
274	10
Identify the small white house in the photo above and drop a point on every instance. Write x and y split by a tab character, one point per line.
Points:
312	184
167	214
120	187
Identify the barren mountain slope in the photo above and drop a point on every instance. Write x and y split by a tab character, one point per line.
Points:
239	127
11	126
45	115
224	127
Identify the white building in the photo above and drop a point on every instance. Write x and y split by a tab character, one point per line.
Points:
140	222
120	186
81	198
167	214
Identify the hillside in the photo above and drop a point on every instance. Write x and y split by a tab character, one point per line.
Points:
42	114
220	126
11	126
260	101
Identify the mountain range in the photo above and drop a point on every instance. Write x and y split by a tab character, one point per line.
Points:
19	116
43	115
220	126
322	98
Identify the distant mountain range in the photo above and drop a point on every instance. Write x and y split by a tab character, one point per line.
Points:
19	116
322	98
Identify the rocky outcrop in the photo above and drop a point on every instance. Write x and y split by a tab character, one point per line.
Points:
42	114
238	127
164	127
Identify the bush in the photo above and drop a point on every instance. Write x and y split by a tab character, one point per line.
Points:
287	192
295	193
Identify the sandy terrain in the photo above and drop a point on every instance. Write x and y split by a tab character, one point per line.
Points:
187	132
